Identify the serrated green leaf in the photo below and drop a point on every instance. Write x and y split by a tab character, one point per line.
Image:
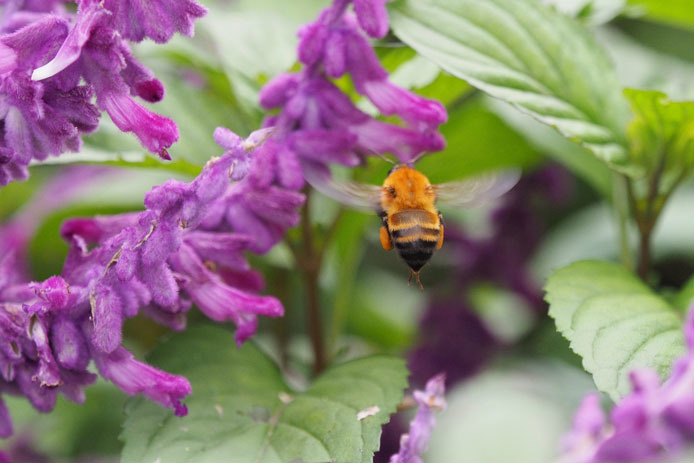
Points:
242	411
614	321
535	58
662	131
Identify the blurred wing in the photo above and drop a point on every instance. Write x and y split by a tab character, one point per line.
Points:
477	190
355	195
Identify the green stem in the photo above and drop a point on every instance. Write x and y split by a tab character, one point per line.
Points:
620	199
310	263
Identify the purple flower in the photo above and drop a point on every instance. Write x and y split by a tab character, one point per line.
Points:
263	204
186	247
654	423
135	377
40	119
318	124
415	442
46	52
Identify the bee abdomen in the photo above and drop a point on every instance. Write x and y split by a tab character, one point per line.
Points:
415	234
416	253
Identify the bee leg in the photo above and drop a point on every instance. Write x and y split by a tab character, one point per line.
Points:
385	239
416	278
440	243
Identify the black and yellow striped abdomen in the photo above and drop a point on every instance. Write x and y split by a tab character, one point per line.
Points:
415	234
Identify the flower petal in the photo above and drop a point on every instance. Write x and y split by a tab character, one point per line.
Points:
134	377
156	133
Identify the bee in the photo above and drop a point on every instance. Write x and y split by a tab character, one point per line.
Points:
406	204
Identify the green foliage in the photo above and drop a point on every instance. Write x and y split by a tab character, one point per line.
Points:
136	159
241	410
71	432
592	12
661	135
676	12
684	299
533	57
263	42
576	158
614	321
477	140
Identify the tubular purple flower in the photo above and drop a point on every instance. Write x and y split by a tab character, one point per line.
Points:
415	442
391	99
46	51
69	345
71	49
41	119
155	132
135	377
372	16
220	301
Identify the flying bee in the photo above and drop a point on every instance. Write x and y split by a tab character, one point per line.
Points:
406	204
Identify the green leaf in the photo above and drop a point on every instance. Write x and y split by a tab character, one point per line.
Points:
661	131
126	159
677	12
685	297
574	157
531	56
592	12
477	141
71	432
241	410
614	321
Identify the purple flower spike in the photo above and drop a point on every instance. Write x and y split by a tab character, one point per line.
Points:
186	247
53	63
135	377
414	443
318	124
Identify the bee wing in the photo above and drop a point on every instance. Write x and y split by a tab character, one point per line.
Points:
477	190
362	196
